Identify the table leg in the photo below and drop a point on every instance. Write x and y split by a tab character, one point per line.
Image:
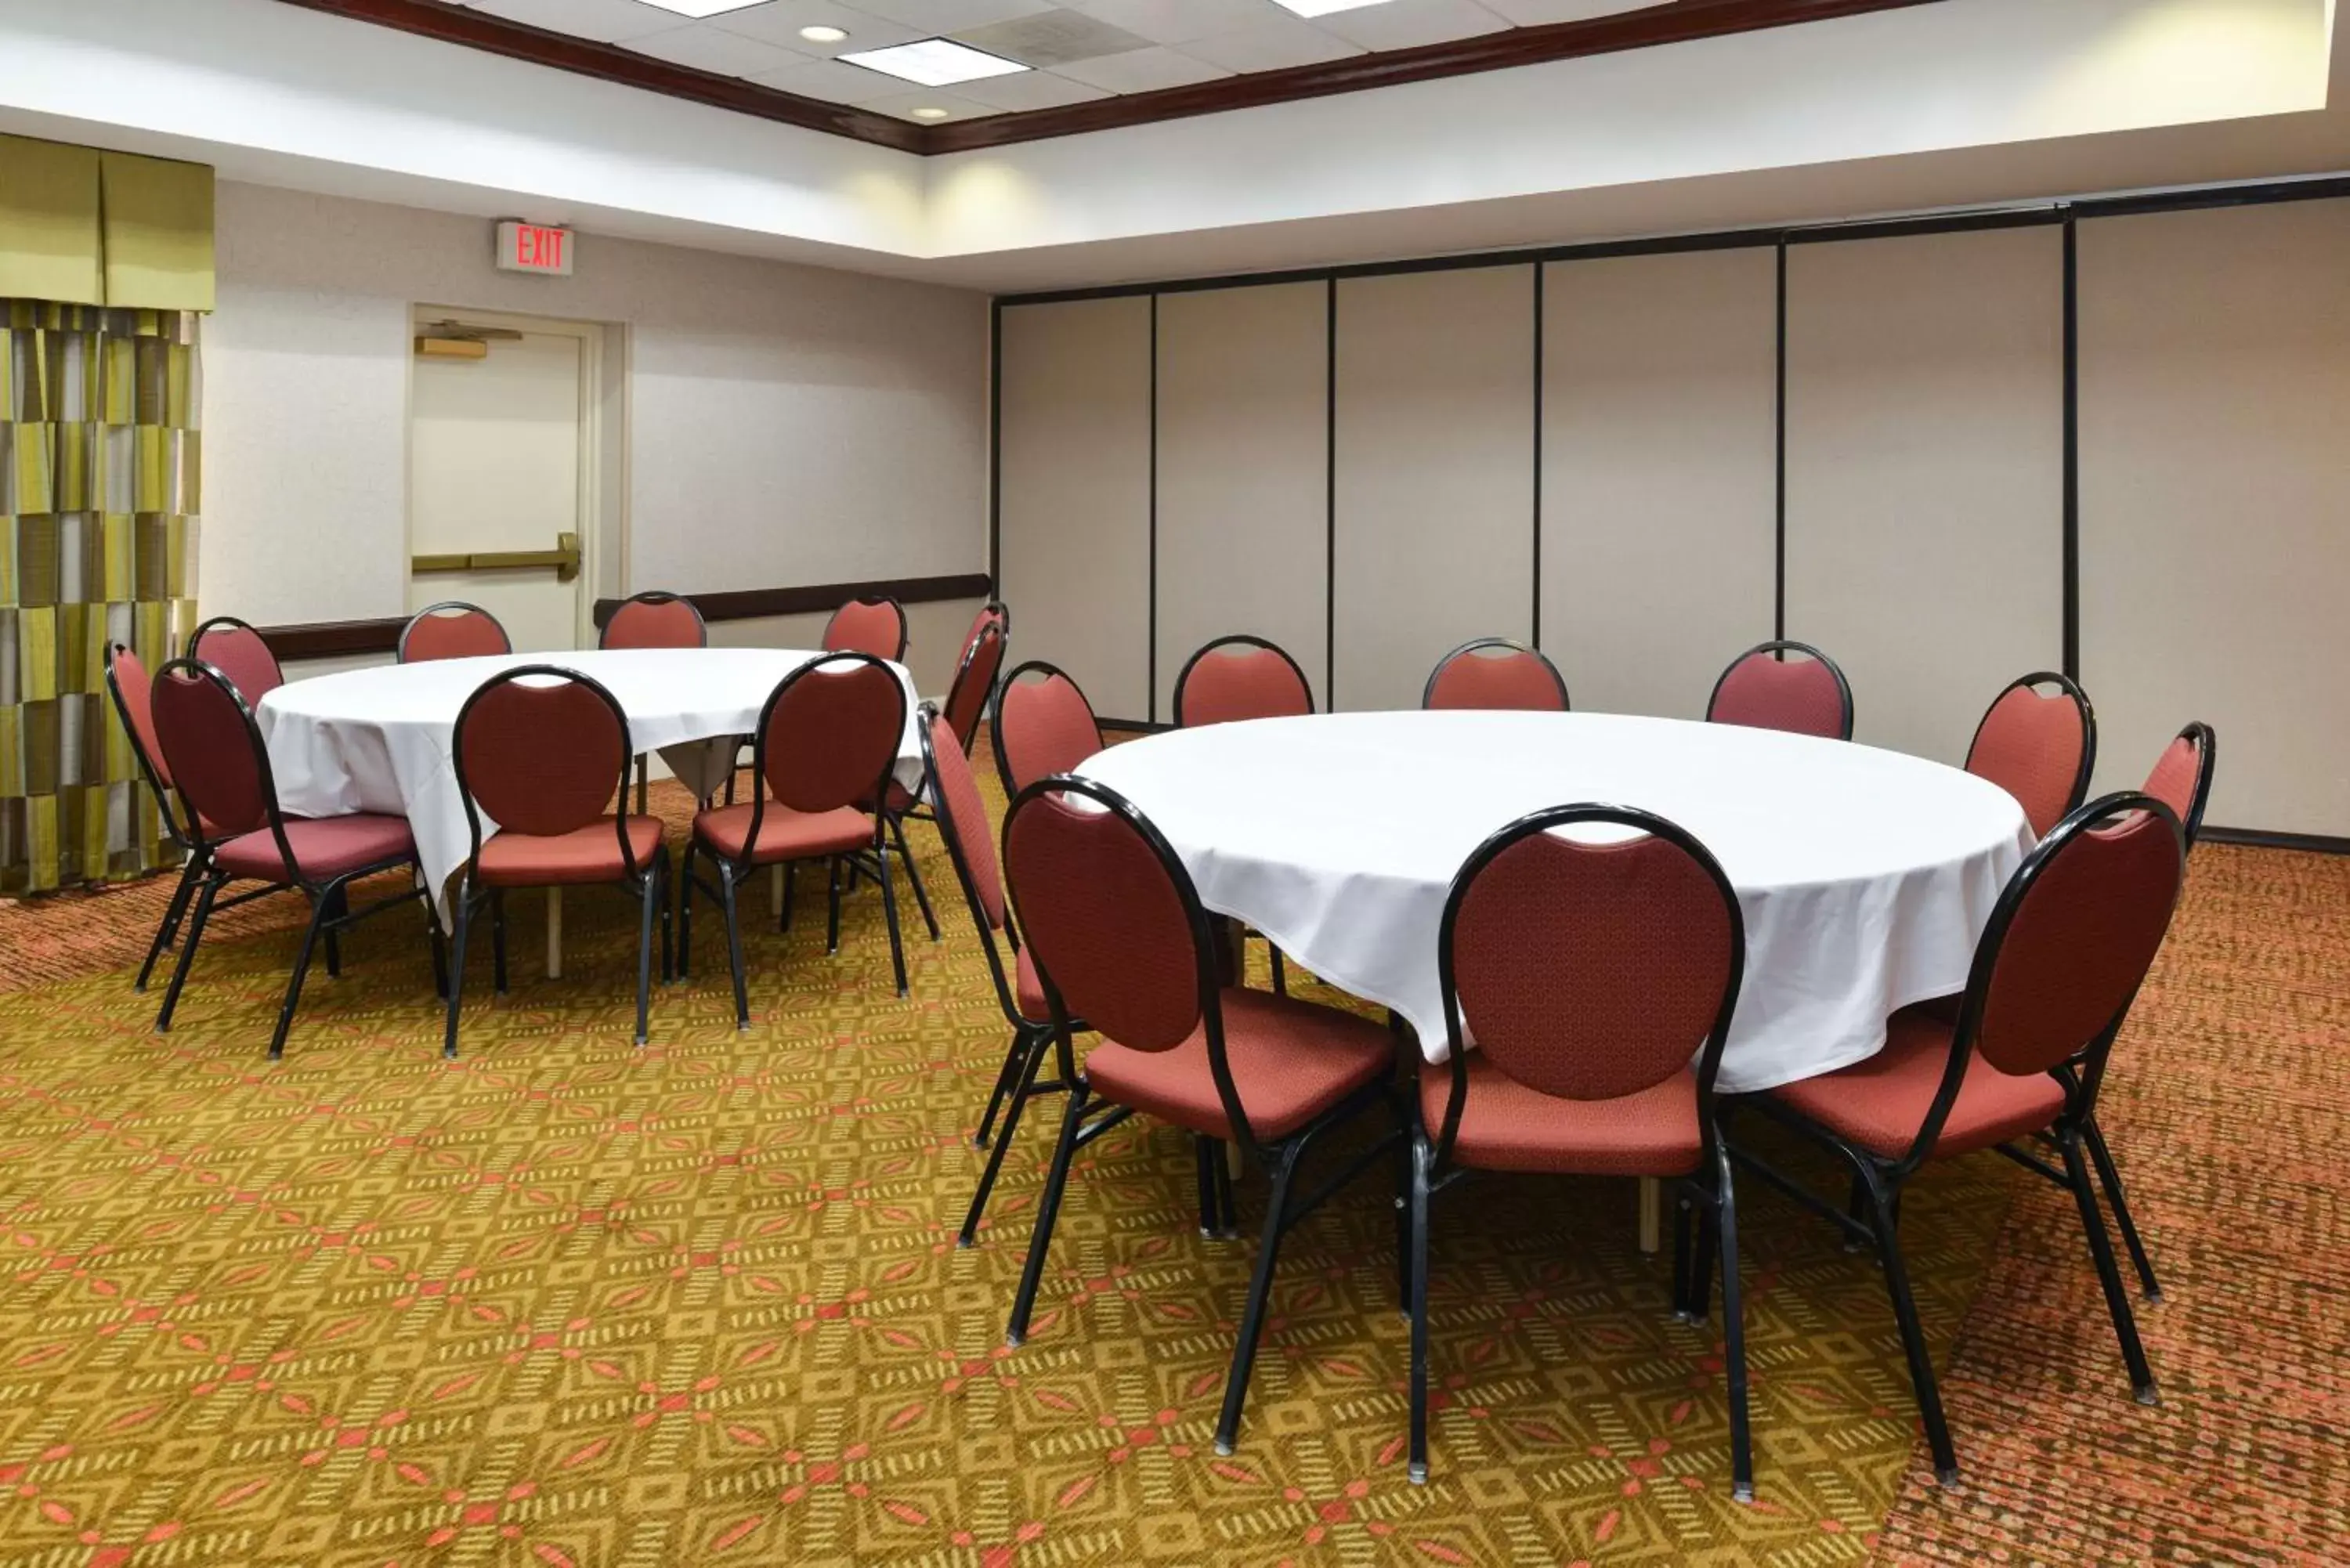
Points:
1651	1213
555	933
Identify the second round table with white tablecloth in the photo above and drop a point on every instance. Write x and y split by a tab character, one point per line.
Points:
1864	876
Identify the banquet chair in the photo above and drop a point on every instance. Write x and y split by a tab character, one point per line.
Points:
132	690
452	629
2039	746
964	826
876	626
543	751
237	652
994	613
653	619
1240	678
221	768
1120	937
1493	673
827	740
1765	689
2069	940
1043	725
1597	980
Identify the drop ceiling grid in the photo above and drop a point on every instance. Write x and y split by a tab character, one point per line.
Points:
1078	49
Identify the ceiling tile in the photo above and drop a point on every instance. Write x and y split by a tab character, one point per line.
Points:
708	48
934	17
1275	47
1143	70
1407	24
1052	39
832	81
779	22
605	21
901	106
1541	13
1180	21
1029	89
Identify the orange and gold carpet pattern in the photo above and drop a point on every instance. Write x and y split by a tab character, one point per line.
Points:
568	1302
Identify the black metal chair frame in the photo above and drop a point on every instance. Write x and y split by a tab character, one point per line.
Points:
193	862
1878	1180
650	597
2207	747
1084	1119
400	655
1779	649
647	884
1708	1190
897	657
1470	647
330	911
996	713
874	858
2080	699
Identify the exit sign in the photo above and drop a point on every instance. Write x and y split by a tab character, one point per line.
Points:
533	247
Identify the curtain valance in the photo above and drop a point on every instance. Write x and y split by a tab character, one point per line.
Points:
84	227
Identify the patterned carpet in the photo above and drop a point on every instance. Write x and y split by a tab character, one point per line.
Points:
567	1302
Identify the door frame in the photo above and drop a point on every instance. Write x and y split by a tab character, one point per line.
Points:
602	522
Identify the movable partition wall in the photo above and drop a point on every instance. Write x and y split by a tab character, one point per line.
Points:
2113	437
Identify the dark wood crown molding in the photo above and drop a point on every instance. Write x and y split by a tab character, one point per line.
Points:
1676	22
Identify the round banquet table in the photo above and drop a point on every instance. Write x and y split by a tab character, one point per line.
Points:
1864	876
378	738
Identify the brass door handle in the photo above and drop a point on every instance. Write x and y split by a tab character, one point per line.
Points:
564	558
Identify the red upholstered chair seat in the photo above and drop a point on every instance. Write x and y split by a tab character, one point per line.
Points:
589	854
1881	1103
324	847
1291	1061
784	834
1505	1125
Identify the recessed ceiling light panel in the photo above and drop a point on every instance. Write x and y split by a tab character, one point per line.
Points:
933	62
699	8
1325	8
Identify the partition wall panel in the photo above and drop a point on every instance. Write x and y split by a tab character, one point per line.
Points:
1434	425
1658	472
1925	471
2215	501
1074	497
1244	474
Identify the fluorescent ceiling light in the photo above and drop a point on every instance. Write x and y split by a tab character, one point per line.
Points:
698	8
933	62
1325	8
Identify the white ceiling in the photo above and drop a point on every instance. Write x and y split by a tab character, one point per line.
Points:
1080	50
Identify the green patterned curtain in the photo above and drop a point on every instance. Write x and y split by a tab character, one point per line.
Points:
98	483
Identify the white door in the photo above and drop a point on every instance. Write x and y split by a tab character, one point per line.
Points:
494	468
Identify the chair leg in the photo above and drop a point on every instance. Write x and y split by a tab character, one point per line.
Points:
1856	1206
1405	1160
498	941
320	913
1048	1210
1031	1057
1698	1304
434	939
1417	1304
195	934
1733	1331
167	928
1684	1216
1228	1212
889	914
1203	1150
914	876
651	896
2109	1274
791	877
685	916
1280	976
1913	1334
1007	1079
457	970
667	930
1276	1215
2111	1179
832	926
734	945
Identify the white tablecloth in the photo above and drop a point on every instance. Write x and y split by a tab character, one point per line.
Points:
1866	875
379	739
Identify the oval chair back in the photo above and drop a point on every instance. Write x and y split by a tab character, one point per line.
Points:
452	629
876	627
1240	678
2039	746
1494	673
963	823
974	683
1043	725
994	613
543	751
1590	969
212	752
1766	688
237	652
133	691
655	619
2181	778
828	735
